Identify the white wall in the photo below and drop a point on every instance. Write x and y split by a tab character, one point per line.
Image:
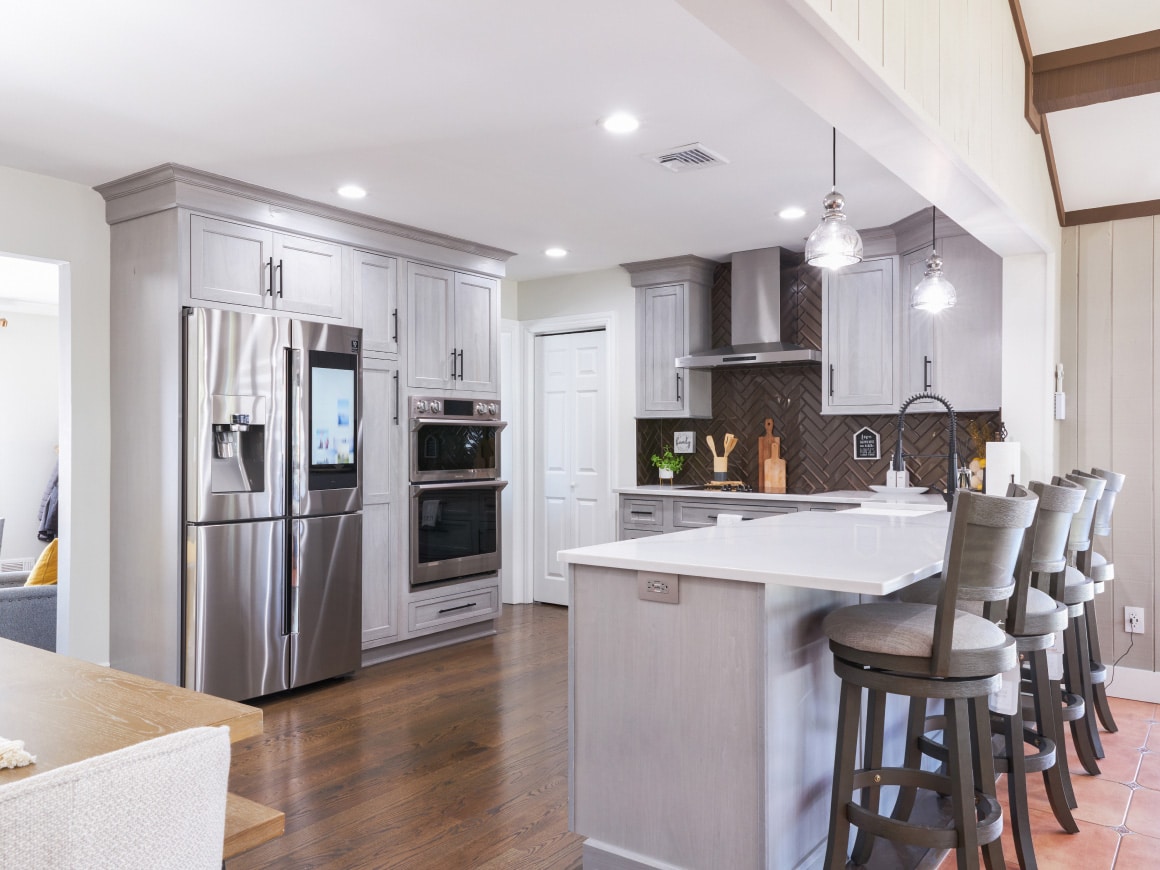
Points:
29	425
58	220
608	290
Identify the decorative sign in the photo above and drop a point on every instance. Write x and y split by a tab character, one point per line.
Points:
684	442
867	444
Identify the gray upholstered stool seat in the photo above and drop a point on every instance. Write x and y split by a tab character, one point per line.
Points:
1101	570
1077	588
871	634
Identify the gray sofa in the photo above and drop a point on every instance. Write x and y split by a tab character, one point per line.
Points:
27	613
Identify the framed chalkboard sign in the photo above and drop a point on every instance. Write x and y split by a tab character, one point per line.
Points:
867	444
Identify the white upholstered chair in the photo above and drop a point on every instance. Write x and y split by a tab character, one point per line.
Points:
156	805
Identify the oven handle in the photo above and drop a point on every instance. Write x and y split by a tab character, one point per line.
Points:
418	489
416	422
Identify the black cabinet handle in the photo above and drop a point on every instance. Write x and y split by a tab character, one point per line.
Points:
460	365
396	398
831	380
279	279
453	375
270	272
395	315
926	361
460	607
678	386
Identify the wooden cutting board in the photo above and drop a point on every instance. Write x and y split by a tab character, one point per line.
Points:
770	465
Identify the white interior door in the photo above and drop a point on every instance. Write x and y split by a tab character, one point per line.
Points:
571	449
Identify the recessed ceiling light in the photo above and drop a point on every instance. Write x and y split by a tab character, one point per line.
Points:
351	191
556	252
620	122
791	213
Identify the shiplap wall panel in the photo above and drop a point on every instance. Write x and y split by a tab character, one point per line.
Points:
1068	448
980	110
846	15
922	55
954	50
870	29
894	42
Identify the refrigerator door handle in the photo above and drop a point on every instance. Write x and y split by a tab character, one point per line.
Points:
299	437
292	578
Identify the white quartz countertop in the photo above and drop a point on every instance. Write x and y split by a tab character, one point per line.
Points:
841	496
870	550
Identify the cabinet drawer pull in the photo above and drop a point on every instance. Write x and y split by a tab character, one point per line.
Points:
678	386
396	376
279	279
460	607
395	315
639	514
831	380
926	361
270	273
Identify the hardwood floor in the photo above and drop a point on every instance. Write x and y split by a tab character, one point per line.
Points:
456	758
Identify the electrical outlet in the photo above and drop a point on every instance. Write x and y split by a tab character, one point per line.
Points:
1134	620
653	586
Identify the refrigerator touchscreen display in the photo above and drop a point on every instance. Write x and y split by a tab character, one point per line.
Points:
333	433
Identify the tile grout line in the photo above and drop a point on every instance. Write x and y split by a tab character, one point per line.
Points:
1132	791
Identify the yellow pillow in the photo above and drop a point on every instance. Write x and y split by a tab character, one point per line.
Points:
44	571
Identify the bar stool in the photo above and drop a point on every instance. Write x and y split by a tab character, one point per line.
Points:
1074	589
1032	617
930	651
1101	572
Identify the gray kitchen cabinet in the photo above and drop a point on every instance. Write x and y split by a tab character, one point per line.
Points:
452	330
672	320
860	328
955	353
239	264
644	516
384	500
374	284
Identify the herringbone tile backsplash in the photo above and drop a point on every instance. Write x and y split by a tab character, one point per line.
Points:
818	450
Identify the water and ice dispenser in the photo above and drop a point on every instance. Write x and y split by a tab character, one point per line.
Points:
239	435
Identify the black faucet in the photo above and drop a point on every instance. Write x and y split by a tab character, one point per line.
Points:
899	464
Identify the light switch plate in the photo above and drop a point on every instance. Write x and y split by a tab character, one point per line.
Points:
654	586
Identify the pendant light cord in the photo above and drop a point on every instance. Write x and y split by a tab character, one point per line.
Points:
834	160
933	246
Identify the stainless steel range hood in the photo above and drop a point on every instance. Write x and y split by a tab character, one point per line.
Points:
756	318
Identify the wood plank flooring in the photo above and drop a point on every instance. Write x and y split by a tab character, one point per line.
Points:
456	758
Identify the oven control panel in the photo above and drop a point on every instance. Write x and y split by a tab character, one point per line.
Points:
440	408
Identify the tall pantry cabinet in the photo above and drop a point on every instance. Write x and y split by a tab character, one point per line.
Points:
185	238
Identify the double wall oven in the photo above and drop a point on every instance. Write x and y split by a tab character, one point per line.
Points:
455	489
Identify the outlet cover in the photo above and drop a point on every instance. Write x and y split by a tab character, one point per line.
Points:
654	586
1134	620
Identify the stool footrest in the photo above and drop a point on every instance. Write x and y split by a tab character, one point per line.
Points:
1072	708
988	812
1099	672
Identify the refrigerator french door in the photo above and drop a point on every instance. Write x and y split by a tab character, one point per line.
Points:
272	503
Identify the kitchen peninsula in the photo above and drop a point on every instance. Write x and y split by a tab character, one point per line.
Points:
702	699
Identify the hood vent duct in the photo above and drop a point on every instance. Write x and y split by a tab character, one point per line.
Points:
755	318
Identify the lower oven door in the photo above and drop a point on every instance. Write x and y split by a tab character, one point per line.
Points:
455	530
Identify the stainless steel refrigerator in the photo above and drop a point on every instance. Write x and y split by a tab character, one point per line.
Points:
272	502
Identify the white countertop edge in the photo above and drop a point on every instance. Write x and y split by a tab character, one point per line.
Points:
841	496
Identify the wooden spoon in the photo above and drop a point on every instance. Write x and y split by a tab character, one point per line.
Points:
730	443
712	445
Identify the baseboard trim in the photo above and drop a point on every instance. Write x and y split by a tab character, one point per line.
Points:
1133	684
390	652
602	856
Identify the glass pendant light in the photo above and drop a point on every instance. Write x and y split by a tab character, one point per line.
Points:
833	243
933	293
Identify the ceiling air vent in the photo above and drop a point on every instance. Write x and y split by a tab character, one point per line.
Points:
686	158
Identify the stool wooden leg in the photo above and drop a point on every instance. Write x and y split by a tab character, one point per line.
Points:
1084	652
1074	657
843	789
872	760
959	767
1012	727
912	758
1099	695
983	770
1057	778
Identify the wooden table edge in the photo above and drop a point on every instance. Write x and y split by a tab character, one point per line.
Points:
249	824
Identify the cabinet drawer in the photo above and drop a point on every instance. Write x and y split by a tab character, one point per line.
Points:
444	612
633	534
702	513
642	513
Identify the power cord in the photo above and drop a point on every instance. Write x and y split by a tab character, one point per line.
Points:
1112	676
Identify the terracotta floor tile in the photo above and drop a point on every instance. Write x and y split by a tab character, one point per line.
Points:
1101	801
1149	774
1144	814
1093	848
1125	709
1137	852
1133	734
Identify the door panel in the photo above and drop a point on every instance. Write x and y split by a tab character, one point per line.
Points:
475	328
429	292
235	643
309	276
229	262
327	585
377	292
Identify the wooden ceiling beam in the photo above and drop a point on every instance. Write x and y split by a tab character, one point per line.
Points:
1030	112
1097	73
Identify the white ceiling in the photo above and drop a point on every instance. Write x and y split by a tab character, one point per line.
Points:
477	120
1105	153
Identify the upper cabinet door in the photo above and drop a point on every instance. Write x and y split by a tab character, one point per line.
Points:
476	324
308	276
230	262
430	330
858	354
661	339
375	283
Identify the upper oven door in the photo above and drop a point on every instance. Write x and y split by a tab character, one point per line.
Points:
454	450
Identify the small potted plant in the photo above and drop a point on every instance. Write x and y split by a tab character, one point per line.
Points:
668	464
